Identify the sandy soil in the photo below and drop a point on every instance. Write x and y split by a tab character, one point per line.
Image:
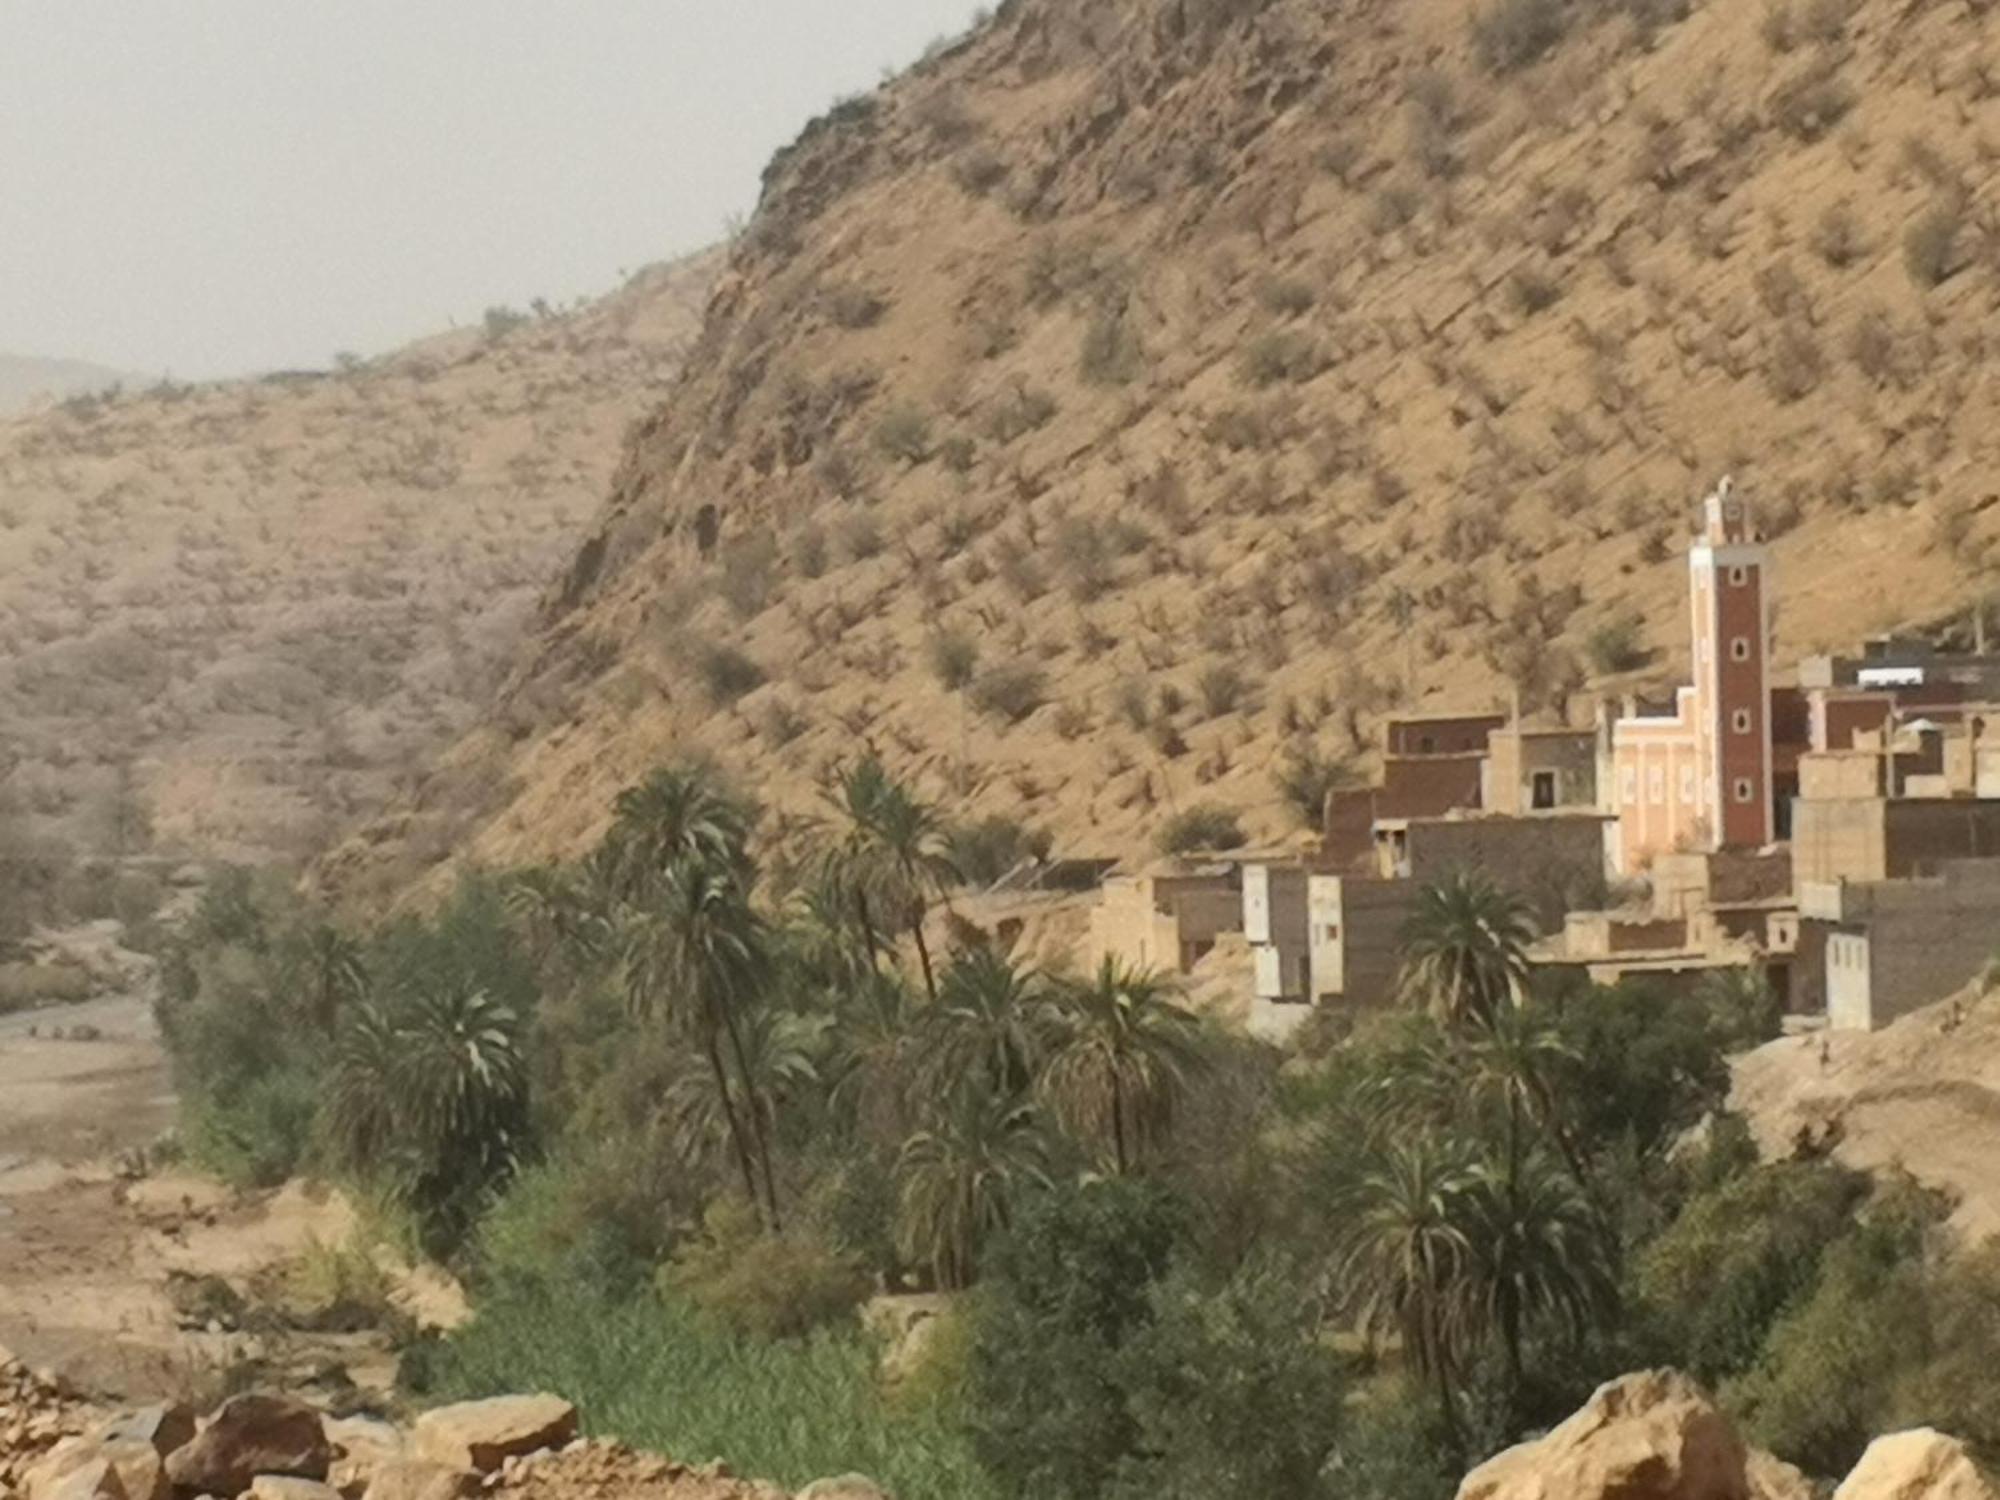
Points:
1923	1094
87	1249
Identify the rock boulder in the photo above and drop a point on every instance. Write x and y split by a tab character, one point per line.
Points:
248	1436
481	1435
1650	1436
1917	1465
419	1479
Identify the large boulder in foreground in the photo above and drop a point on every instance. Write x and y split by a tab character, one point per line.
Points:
1650	1436
1920	1464
482	1435
247	1436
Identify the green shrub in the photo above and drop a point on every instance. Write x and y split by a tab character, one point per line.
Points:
1223	689
599	1213
761	1285
954	658
1200	829
1283	354
661	1376
727	673
1231	1392
1931	244
257	1133
1111	353
1011	690
1618	645
904	432
1068	1285
1307	777
984	850
1510	34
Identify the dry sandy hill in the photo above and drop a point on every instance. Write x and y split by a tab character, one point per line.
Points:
1220	372
244	608
1922	1094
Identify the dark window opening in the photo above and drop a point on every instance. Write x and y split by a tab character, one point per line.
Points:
1542	793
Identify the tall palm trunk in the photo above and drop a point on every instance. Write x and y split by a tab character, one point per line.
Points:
1118	1118
736	1140
759	1136
867	927
924	954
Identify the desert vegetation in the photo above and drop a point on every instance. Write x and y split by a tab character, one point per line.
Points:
690	1111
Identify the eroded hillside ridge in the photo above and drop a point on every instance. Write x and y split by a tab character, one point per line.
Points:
232	616
1122	408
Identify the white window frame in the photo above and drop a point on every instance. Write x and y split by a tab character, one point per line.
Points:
1739	720
1739	648
1746	789
1739	574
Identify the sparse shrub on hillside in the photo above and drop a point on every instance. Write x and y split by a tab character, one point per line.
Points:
1394	205
781	722
746	577
1825	21
809	550
1872	345
1837	236
1811	105
1931	246
1084	548
501	321
1307	776
851	305
1018	410
1533	288
954	657
1283	354
1222	689
1010	690
1782	291
905	433
1203	828
840	472
1020	569
1618	645
1133	703
958	452
984	850
1072	720
1778	28
980	171
727	673
1166	738
1655	545
1111	353
1795	364
1507	35
1339	157
859	535
1285	296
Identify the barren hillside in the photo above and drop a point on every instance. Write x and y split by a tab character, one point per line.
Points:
1125	406
239	611
25	381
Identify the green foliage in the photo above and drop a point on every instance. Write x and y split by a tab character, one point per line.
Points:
1510	34
726	673
989	847
763	1285
1229	1393
1111	351
1200	829
1009	690
1617	645
904	433
1070	1285
954	657
1720	1276
658	1374
1307	776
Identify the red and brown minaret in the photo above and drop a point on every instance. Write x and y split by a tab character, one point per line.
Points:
1729	586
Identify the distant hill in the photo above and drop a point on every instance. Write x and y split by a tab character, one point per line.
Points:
25	380
1126	407
240	611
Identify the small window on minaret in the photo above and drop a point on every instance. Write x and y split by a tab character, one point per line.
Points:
1740	721
1744	790
1739	648
1738	576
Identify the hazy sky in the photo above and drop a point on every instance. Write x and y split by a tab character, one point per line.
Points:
214	186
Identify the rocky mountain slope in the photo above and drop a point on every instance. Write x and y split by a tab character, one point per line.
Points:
1126	406
237	612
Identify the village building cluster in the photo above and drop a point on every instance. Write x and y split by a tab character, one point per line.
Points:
1838	833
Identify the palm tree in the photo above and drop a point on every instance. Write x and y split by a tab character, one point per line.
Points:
1510	1060
1122	1058
560	910
781	1052
1465	949
677	815
697	952
991	1022
874	1042
960	1177
325	965
1407	1253
1539	1249
894	855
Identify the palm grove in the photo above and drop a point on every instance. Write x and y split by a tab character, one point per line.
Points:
695	1107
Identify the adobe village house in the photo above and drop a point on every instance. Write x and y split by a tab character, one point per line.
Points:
1839	833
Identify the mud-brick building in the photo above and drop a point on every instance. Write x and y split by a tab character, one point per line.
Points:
1890	946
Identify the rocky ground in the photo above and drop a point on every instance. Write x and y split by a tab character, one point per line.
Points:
1923	1093
55	1446
1656	1436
